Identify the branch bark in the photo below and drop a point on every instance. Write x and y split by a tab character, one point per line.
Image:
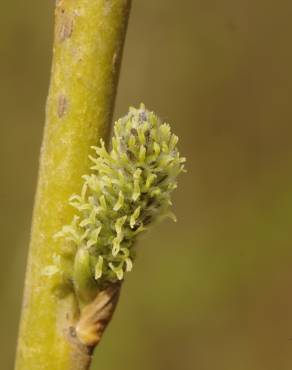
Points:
88	43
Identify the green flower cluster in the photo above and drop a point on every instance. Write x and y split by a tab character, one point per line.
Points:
130	186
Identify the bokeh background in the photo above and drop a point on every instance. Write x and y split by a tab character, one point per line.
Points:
213	291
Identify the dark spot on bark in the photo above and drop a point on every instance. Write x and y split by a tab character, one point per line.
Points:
72	331
65	28
62	105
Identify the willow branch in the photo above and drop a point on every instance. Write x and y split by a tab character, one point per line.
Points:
88	42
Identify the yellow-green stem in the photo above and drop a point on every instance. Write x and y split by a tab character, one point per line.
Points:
88	43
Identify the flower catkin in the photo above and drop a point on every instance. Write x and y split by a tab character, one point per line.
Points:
128	188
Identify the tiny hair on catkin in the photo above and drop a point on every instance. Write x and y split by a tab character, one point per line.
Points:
127	189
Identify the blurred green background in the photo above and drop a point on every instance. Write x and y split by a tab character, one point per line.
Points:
213	291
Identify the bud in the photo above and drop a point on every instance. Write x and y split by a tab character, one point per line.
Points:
129	187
